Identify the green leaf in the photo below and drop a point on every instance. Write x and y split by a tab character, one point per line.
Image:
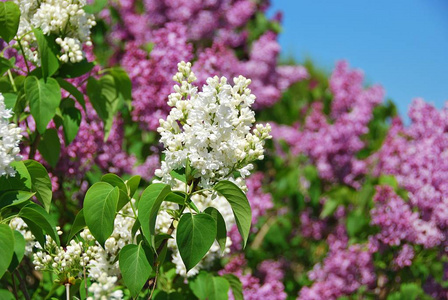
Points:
6	295
5	65
221	232
78	225
50	147
240	206
179	175
40	182
114	180
134	267
176	197
105	99
37	215
132	185
19	251
219	289
73	91
148	208
12	198
44	98
235	285
201	284
162	295
100	206
329	208
9	20
6	247
10	100
22	180
389	180
207	287
123	82
356	221
195	235
73	70
96	7
47	49
71	120
37	231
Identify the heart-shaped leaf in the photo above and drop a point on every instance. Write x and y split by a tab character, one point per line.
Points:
195	235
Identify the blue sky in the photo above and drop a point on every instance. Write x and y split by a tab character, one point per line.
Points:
400	44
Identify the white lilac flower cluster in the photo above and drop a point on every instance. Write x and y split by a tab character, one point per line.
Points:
30	241
211	129
65	19
9	140
100	264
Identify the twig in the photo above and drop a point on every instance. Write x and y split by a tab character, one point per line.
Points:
262	233
24	57
22	285
34	145
14	287
155	281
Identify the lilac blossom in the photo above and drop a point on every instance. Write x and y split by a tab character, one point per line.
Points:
344	270
267	285
417	157
332	142
183	30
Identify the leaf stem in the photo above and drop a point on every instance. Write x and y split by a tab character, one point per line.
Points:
12	81
24	57
14	286
155	282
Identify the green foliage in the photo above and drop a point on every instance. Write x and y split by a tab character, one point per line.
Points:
44	97
50	147
100	206
40	182
9	20
39	221
206	286
47	50
148	208
6	247
19	250
240	206
6	295
6	64
78	225
134	267
71	120
221	231
235	285
195	235
107	95
96	7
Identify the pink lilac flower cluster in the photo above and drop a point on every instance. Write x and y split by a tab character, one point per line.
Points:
344	270
266	285
260	203
398	223
417	156
332	142
177	30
